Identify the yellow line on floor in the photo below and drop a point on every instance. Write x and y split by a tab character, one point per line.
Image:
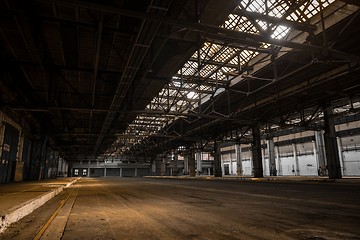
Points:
43	229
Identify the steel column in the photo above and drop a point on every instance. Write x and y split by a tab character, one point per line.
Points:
163	166
192	162
256	152
332	155
297	169
341	155
271	151
217	159
278	160
198	162
175	163
186	164
320	153
239	170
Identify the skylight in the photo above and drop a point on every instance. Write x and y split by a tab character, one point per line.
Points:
214	64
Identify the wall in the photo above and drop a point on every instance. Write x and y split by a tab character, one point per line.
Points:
22	157
114	168
298	154
9	153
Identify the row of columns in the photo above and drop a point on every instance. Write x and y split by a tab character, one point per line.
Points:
318	150
325	147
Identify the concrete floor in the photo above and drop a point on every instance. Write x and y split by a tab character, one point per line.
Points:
148	208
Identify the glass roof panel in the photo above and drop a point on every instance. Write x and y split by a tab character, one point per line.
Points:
207	69
257	6
242	24
280	32
218	62
262	24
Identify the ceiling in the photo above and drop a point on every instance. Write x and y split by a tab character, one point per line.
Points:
142	77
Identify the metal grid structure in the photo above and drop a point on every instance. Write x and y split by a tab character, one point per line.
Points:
213	65
142	77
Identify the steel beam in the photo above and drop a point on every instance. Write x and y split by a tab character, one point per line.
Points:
275	20
247	39
138	50
330	75
96	64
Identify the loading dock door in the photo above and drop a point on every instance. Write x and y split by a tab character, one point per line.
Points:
143	172
128	172
4	163
8	156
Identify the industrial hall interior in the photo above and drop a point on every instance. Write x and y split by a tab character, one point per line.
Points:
245	88
179	119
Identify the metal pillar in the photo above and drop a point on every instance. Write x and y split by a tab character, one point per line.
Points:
217	159
239	170
251	165
296	170
341	156
331	149
256	152
320	153
316	155
186	164
278	160
175	163
198	162
163	166
153	167
230	164
192	162
264	165
272	163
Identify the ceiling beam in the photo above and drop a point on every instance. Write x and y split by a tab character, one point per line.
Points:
201	81
275	20
189	89
96	64
247	39
137	112
291	91
215	63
